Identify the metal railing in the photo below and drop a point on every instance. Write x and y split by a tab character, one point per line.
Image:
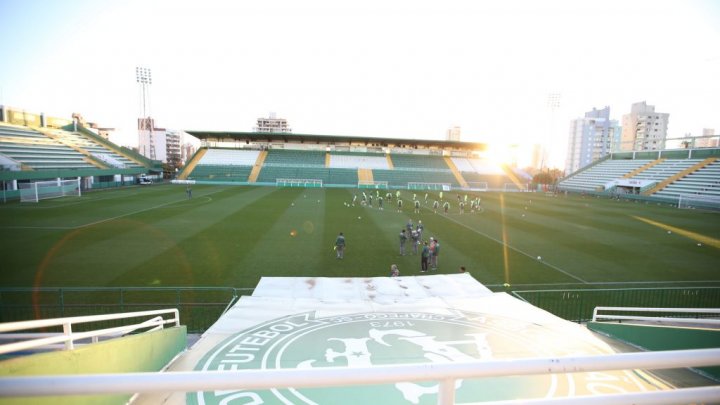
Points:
681	317
577	305
68	337
199	307
446	374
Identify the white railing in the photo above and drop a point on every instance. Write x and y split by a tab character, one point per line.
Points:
710	321
446	374
68	337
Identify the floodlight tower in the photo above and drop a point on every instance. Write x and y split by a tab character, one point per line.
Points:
553	103
143	77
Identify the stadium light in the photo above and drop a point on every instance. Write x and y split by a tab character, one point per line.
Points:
553	102
143	76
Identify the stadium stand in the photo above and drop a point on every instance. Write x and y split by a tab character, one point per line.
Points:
665	169
595	177
666	177
230	157
286	157
225	165
704	182
85	144
36	151
346	160
342	168
419	162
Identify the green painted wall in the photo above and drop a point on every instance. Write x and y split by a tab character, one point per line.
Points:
144	352
656	338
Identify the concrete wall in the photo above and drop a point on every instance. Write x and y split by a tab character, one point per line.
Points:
655	338
144	352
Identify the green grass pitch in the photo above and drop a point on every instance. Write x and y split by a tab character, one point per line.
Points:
231	236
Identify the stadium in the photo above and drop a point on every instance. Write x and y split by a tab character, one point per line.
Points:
224	284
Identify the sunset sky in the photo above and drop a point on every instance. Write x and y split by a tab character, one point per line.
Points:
407	69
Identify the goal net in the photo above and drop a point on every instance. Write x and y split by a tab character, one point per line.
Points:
478	185
698	202
308	183
512	187
372	184
429	186
41	190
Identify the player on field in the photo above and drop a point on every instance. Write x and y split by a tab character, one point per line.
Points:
340	246
415	241
424	258
403	239
417	206
446	206
436	204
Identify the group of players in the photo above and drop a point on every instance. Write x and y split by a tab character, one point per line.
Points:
367	200
430	250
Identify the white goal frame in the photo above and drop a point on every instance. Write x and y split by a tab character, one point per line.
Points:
478	185
42	190
373	184
429	186
307	183
512	187
686	201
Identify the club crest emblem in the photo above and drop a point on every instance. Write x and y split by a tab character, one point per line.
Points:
304	341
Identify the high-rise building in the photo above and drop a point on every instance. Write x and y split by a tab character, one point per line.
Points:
151	140
643	128
709	139
537	156
173	152
159	143
188	150
453	134
591	138
272	124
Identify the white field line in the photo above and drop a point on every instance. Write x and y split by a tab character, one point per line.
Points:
139	211
513	248
108	219
619	283
77	200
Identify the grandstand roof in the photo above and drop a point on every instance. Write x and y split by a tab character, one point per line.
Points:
314	138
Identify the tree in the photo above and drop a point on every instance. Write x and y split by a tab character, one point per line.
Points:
550	176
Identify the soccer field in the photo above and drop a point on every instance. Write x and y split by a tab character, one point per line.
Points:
231	236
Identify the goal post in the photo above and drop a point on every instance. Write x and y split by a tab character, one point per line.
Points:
698	202
373	184
429	186
478	185
41	190
512	187
307	183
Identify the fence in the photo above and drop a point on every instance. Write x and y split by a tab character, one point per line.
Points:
446	374
68	338
199	307
578	305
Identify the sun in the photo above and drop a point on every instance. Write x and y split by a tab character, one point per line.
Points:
501	154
